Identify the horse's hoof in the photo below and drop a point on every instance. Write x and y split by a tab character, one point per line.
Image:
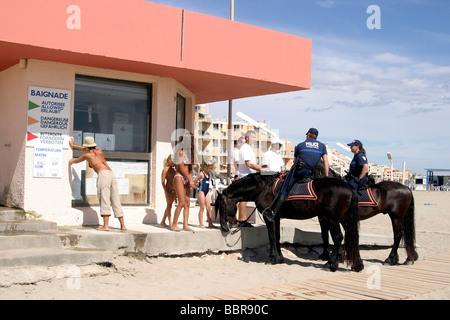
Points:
390	261
408	262
330	266
275	261
358	267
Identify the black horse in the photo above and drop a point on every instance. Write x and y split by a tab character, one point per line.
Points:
335	204
397	201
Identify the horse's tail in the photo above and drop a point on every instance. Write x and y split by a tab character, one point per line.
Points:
409	232
350	222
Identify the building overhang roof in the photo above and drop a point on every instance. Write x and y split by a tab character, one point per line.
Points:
215	58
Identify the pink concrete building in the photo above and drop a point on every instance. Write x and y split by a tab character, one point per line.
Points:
128	73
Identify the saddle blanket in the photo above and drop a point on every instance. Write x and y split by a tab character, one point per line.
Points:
305	191
366	199
300	191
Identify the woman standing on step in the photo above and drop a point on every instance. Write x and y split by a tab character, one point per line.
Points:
182	180
108	192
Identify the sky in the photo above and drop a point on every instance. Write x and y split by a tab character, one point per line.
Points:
382	77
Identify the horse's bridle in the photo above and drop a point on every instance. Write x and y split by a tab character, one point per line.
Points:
268	185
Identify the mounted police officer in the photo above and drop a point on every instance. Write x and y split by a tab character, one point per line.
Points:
306	157
357	175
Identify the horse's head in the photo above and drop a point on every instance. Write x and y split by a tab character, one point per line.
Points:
245	189
227	211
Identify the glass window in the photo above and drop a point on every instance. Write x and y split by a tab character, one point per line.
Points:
117	114
181	112
113	111
131	176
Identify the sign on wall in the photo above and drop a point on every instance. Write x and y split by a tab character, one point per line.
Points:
48	117
48	129
47	162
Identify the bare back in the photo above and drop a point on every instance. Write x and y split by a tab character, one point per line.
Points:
97	160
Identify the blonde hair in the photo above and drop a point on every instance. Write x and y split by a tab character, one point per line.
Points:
209	163
166	160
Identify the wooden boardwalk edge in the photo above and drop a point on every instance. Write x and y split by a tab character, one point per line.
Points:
378	283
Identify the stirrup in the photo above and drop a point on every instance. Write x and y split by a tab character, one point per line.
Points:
268	214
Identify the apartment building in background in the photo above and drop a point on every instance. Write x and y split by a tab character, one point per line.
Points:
211	140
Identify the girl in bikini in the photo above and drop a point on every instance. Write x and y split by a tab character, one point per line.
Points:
183	182
167	176
108	192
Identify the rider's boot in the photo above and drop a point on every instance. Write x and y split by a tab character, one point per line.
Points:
270	212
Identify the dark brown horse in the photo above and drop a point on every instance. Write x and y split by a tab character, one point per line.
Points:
335	204
397	201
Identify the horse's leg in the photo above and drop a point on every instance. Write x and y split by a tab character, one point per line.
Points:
398	234
279	258
324	232
274	239
337	237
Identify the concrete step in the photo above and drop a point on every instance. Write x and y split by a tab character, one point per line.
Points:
8	214
29	240
53	257
15	220
26	225
36	242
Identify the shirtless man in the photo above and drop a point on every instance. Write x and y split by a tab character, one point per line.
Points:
108	192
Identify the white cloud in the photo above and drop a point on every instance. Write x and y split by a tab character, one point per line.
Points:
388	57
325	3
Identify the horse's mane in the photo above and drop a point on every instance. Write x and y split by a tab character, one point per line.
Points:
320	170
247	182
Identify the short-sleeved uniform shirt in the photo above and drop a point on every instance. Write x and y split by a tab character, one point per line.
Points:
357	162
310	151
246	153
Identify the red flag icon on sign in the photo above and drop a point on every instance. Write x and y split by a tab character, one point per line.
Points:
31	136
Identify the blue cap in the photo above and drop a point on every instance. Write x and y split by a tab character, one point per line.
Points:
355	143
313	131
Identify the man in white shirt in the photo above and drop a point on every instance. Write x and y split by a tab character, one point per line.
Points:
247	165
272	160
240	142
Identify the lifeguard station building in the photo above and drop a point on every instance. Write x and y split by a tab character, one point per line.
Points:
128	73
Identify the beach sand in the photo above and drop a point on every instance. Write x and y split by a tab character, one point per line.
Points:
141	277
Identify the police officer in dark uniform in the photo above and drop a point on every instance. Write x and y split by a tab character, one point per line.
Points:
357	175
306	157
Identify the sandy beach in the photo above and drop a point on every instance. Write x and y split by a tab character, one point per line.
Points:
141	277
